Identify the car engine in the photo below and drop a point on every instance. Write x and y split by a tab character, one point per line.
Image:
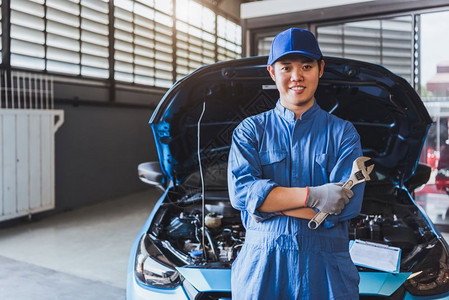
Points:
179	225
224	234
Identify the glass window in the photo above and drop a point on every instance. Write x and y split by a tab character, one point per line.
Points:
94	38
229	39
143	42
195	36
434	90
388	42
264	45
61	36
72	37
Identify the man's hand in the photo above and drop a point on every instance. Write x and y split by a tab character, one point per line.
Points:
330	198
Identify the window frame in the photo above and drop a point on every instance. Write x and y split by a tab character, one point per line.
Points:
261	27
414	21
109	81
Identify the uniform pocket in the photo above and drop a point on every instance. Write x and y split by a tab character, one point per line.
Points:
321	162
248	271
342	275
271	157
274	164
349	273
325	163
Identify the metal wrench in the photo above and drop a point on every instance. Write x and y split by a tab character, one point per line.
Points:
359	173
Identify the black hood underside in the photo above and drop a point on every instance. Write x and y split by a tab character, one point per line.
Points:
387	113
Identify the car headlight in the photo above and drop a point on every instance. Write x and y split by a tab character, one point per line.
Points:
431	276
152	267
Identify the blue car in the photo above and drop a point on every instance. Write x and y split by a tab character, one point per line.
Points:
186	247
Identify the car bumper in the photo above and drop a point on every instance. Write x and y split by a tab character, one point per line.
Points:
135	291
408	296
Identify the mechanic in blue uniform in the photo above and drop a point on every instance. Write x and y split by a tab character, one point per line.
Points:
284	165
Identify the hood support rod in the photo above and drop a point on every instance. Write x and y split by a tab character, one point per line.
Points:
203	204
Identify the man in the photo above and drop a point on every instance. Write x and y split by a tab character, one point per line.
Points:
285	165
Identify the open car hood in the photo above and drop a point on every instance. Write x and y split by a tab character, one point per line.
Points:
387	113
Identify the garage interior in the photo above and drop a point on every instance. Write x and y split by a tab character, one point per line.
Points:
80	80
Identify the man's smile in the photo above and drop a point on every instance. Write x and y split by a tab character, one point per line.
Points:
297	88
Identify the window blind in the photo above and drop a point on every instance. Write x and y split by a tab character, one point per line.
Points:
229	39
150	48
61	36
264	45
387	42
143	42
195	36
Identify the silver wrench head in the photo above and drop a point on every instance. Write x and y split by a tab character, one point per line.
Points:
360	168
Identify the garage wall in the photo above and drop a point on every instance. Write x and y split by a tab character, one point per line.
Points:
98	149
105	134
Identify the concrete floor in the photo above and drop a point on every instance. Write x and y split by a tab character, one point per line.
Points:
81	254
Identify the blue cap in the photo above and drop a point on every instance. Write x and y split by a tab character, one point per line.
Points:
294	41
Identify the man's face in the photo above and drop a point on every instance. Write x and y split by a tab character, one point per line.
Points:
296	78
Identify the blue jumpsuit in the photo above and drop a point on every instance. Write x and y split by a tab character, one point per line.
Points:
281	257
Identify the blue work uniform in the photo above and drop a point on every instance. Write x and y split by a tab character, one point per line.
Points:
281	257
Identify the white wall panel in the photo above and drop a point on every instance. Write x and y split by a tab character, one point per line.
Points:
47	181
27	160
23	149
35	162
9	164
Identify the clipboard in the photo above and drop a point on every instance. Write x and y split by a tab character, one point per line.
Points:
375	256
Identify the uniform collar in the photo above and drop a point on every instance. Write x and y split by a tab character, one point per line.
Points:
290	116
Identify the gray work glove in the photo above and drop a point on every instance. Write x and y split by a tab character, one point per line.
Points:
330	198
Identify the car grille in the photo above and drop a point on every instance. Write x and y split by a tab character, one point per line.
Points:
398	295
194	294
213	296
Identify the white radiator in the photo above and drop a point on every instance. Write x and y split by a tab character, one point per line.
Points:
28	124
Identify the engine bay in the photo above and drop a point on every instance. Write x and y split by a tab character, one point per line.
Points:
181	226
386	219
